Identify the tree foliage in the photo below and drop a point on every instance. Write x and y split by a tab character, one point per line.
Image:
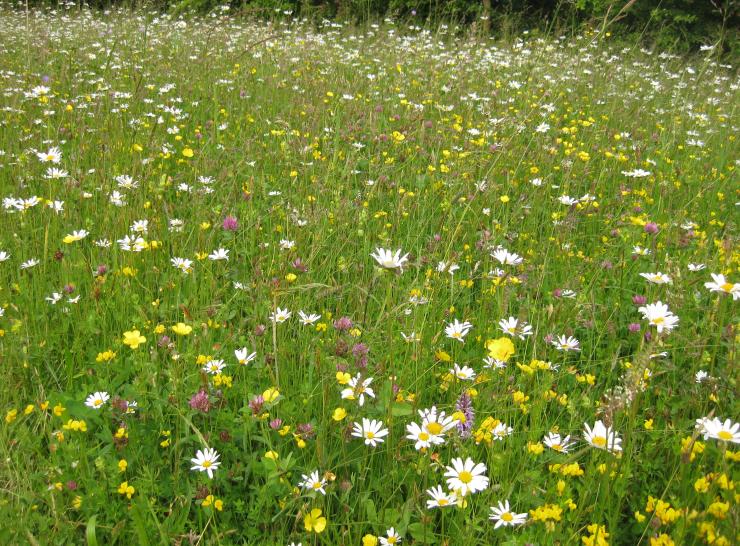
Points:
682	25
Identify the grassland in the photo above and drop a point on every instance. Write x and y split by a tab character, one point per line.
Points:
180	196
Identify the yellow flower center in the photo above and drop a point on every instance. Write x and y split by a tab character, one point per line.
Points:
465	476
423	436
369	435
724	435
658	320
434	428
727	287
97	402
557	447
598	441
317	485
206	464
442	502
506	516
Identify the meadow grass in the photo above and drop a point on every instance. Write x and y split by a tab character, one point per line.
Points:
173	189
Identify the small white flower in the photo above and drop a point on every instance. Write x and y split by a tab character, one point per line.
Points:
313	482
458	330
371	431
243	356
602	437
214	367
504	517
566	344
466	477
309	319
280	315
97	400
464	373
389	260
220	254
206	461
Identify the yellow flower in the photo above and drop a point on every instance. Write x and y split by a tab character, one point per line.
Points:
718	509
218	504
182	329
11	415
122	465
105	356
500	349
58	410
442	356
271	455
343	378
369	540
126	489
339	414
133	339
271	394
504	198
187	152
313	522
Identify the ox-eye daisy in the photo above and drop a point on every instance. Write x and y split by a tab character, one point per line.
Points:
465	477
206	461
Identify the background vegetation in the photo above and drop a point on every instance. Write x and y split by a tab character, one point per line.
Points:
683	25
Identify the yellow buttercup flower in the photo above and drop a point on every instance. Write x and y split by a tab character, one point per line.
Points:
314	522
182	329
133	339
501	349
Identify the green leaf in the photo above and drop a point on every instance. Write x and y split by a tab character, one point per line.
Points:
139	524
402	409
90	536
421	534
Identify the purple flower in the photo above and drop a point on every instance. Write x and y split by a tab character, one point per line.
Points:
275	424
200	401
639	300
359	350
465	405
305	431
299	265
651	227
230	223
633	327
343	324
102	269
256	403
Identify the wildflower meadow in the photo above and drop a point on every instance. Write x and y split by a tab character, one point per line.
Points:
296	282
